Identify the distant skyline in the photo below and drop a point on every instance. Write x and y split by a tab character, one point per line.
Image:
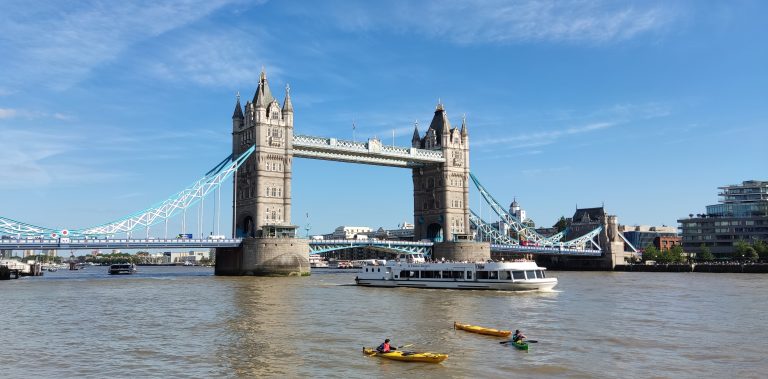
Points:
647	107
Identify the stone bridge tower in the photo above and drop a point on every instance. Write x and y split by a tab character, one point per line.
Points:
262	191
441	192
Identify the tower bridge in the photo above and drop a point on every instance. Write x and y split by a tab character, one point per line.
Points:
263	239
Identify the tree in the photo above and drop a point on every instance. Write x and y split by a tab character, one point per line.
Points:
706	254
676	254
743	251
762	249
752	256
650	253
561	224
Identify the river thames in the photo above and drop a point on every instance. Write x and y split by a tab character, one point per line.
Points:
182	322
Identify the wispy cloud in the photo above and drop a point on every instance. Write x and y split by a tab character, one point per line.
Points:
217	58
9	113
43	156
79	36
499	21
542	138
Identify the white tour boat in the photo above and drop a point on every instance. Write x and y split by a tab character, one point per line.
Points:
317	261
410	270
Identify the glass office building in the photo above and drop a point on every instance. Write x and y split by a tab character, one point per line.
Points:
742	214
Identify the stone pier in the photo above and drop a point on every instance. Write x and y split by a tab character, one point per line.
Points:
265	257
470	251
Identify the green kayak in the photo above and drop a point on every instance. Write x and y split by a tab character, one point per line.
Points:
520	345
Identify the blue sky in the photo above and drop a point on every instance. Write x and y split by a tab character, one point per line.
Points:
109	107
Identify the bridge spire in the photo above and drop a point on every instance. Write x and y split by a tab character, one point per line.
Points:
238	114
263	95
440	123
416	140
464	125
287	105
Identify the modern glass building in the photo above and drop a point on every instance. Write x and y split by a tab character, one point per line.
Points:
742	214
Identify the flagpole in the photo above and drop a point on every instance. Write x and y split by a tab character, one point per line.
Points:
353	130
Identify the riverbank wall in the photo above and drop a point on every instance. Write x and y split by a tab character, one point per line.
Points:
749	268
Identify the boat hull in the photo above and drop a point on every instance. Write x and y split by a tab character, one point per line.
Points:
482	330
543	285
519	345
407	356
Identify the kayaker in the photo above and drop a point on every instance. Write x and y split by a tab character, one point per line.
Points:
384	347
518	336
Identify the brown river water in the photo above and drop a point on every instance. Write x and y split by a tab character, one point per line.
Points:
182	322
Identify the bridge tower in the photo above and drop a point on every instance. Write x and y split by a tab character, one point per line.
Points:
262	190
441	192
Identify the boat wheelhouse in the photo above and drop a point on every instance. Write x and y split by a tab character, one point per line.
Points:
122	269
410	272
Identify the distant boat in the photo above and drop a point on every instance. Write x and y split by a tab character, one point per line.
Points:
122	269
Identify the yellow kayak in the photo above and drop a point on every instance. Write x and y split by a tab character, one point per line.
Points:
407	356
482	330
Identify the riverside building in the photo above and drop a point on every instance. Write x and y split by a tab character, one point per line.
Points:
741	215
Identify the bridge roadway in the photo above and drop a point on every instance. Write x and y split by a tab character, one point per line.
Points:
316	246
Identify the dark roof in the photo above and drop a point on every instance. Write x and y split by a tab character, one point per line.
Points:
440	122
584	215
238	110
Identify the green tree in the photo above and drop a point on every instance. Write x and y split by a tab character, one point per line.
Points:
752	256
651	254
676	254
743	251
561	224
706	254
762	249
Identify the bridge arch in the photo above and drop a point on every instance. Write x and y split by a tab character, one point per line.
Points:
435	232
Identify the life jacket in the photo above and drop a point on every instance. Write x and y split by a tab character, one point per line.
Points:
384	348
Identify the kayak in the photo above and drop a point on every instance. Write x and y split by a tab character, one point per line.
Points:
520	345
407	356
482	330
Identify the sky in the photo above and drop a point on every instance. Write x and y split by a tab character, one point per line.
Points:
645	107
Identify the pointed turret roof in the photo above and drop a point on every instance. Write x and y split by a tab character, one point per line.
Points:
238	114
263	95
464	126
440	121
287	105
416	136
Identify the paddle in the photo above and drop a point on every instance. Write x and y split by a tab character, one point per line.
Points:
528	341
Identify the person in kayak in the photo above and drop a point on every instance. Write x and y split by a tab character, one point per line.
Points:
384	347
518	336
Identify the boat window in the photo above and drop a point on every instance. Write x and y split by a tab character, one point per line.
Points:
447	274
469	275
518	275
366	269
493	274
379	269
458	274
531	274
540	273
482	274
505	275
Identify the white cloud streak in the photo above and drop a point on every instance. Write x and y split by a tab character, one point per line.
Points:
217	58
57	44
543	138
499	21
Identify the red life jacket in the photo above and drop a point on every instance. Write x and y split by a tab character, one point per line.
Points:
385	348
